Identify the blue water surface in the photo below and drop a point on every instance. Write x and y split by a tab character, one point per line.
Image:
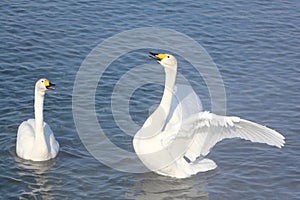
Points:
255	45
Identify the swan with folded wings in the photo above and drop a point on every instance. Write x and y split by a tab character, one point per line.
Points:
177	136
35	139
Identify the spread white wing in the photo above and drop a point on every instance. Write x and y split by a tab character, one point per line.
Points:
205	129
185	102
196	132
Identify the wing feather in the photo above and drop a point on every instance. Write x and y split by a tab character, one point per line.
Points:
206	129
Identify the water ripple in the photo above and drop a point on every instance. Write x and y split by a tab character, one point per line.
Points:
254	44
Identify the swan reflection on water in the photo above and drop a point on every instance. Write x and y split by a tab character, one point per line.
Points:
153	186
34	174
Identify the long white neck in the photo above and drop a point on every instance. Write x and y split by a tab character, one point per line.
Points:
156	121
38	113
166	100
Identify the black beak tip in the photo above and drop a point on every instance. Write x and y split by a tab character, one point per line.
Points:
153	55
51	86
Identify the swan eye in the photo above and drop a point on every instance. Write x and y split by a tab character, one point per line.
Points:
168	56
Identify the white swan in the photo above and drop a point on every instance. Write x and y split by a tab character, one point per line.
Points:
35	139
175	138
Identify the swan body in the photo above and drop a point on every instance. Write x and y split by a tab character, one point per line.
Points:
178	135
35	139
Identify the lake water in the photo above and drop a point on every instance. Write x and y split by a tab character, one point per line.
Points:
255	45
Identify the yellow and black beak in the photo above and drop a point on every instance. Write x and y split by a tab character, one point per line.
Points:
49	85
157	56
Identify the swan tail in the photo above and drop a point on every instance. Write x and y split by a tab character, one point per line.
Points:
203	165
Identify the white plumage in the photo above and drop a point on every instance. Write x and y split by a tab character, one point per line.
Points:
35	139
175	138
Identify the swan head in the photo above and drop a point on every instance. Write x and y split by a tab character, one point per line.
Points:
166	60
42	85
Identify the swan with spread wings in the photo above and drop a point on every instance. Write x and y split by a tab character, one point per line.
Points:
177	136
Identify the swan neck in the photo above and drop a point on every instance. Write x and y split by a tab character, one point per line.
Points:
156	121
38	114
169	89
